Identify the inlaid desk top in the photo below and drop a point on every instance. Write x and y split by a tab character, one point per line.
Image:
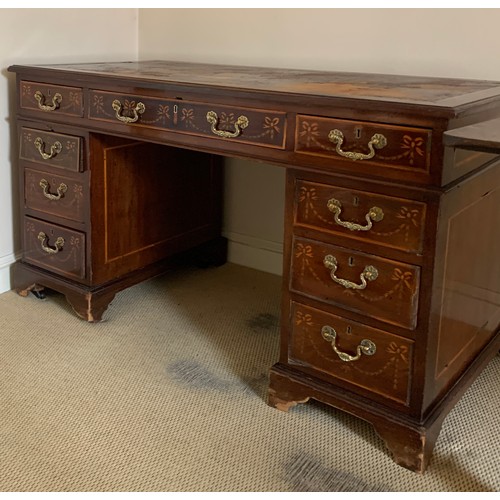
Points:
429	91
280	116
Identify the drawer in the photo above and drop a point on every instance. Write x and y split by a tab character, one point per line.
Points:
253	126
383	220
346	350
49	148
55	194
366	284
366	142
52	99
54	247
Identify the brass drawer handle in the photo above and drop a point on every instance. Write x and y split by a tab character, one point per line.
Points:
42	237
375	213
366	347
240	124
369	273
44	184
56	100
55	149
137	110
377	141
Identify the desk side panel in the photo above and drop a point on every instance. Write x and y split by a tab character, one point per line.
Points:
465	312
148	202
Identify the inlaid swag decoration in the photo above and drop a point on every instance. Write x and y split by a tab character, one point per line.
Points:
343	139
381	288
245	125
50	148
51	98
400	283
385	370
64	250
58	195
388	221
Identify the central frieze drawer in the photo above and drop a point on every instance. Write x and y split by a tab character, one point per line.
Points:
52	149
380	288
55	194
53	247
384	220
365	142
329	344
254	126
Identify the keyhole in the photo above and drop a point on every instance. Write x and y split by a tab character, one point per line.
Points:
357	132
176	110
355	201
348	330
351	261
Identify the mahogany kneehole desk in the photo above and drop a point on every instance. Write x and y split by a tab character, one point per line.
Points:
391	279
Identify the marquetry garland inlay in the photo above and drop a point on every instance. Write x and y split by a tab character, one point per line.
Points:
396	355
301	317
190	118
411	217
70	147
304	255
74	242
396	364
71	101
33	186
403	285
411	146
403	280
271	126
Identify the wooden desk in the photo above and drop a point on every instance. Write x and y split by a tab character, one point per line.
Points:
391	279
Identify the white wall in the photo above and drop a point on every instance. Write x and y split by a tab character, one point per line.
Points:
40	36
435	42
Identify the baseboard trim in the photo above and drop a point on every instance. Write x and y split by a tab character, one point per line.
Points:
6	262
244	250
248	251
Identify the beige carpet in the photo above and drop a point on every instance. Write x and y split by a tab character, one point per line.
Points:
169	394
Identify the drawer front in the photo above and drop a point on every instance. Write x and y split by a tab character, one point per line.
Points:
400	147
52	99
260	127
372	286
55	194
347	350
48	148
56	248
383	220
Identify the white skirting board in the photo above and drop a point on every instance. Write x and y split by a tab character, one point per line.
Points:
243	250
6	262
256	253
